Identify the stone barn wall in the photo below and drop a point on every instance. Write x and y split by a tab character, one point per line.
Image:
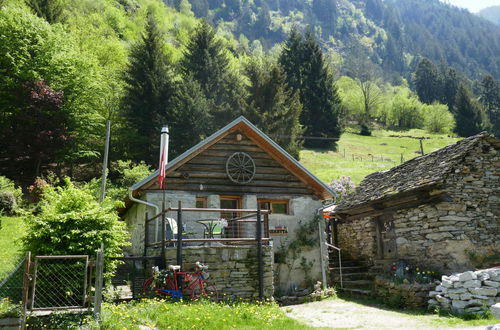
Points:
233	269
446	236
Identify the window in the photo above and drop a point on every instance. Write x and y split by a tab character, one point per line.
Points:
276	207
201	202
230	202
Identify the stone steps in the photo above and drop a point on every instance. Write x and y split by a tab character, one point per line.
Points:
357	280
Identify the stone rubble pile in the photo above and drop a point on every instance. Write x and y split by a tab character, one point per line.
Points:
471	291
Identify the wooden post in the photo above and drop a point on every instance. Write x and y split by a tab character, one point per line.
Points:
179	235
146	234
180	279
99	271
421	147
163	242
402	159
266	225
26	289
260	259
105	162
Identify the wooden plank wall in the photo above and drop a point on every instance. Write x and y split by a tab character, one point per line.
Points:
209	169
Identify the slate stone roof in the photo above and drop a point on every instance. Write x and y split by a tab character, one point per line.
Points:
416	173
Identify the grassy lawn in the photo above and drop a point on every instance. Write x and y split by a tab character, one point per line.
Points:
10	248
197	315
368	154
161	314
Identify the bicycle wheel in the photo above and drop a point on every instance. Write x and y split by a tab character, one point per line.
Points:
148	287
204	290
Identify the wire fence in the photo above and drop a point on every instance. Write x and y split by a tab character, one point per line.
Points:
60	281
11	285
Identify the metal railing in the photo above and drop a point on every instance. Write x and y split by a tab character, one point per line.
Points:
340	261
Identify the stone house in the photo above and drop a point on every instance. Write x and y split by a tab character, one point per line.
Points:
439	211
202	177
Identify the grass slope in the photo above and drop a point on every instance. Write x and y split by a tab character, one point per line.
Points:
11	231
357	156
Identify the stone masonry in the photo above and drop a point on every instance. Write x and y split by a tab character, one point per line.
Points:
471	291
446	236
233	269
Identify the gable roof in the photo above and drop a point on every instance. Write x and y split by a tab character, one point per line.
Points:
261	139
416	174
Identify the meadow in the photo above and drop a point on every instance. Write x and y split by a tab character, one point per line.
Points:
357	156
11	230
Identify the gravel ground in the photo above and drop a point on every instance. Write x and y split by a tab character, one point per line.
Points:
341	314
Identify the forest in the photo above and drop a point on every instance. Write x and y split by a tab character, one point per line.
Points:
299	70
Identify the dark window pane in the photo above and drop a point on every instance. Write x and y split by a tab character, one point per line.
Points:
279	208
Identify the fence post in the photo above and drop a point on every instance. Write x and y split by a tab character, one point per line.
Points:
179	244
99	270
260	259
26	289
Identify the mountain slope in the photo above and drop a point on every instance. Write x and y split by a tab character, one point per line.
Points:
395	34
492	14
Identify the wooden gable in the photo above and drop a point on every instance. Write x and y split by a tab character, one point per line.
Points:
206	170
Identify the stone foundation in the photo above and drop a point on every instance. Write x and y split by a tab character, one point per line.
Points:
233	269
470	291
413	296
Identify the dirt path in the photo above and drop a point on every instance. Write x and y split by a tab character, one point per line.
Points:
341	314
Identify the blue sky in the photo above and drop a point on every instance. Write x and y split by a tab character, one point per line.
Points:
473	5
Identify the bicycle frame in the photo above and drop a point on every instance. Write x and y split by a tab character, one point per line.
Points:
177	293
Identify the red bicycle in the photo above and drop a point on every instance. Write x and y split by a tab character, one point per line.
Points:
166	283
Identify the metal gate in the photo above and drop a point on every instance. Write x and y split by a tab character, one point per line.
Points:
61	282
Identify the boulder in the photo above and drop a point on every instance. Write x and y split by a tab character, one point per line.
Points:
484	291
495	310
494	284
472	284
467	276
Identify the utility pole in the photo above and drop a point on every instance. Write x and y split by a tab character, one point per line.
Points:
105	162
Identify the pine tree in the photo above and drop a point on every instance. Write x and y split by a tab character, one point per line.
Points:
467	112
307	73
427	82
273	107
50	10
490	98
189	119
147	93
206	61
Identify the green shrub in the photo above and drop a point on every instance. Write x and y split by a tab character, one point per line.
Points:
72	222
10	196
8	309
8	204
437	118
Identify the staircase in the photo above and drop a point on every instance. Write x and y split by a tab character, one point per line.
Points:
357	280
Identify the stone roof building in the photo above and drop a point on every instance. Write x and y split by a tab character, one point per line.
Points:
439	211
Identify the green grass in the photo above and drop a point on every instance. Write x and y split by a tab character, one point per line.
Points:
196	315
368	154
10	247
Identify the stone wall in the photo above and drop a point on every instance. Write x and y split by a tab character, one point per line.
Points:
412	295
446	236
357	239
233	269
467	292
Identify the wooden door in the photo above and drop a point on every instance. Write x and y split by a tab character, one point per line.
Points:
386	237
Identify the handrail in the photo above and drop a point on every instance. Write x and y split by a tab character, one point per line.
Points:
190	209
340	262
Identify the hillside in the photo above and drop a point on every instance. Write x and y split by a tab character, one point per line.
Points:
358	156
395	34
492	14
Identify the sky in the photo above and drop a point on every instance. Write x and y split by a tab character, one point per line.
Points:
473	5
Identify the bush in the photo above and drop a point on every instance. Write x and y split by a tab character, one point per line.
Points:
72	222
10	196
8	203
438	119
